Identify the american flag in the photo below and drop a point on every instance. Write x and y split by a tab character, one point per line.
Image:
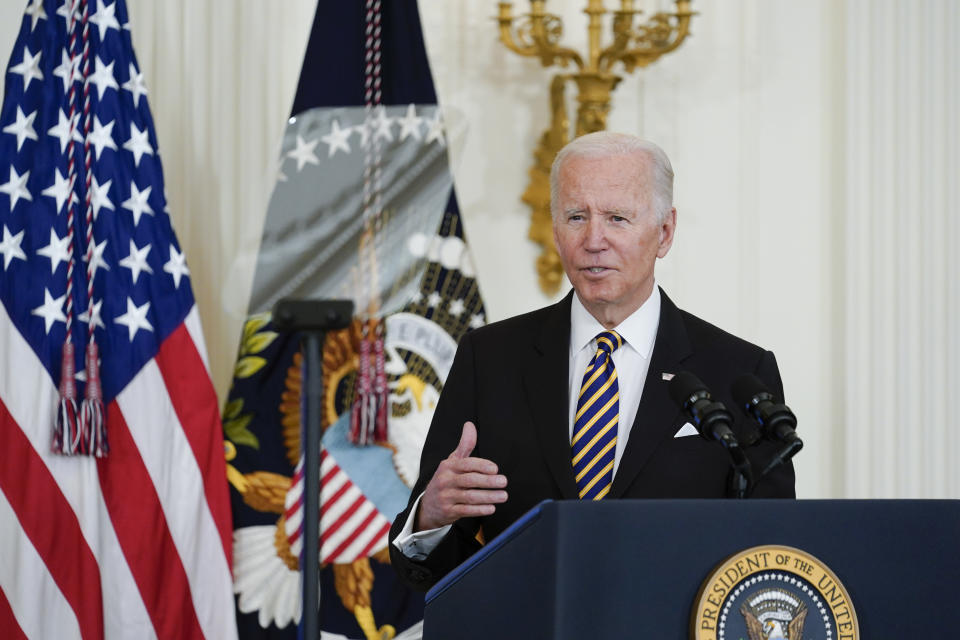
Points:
136	543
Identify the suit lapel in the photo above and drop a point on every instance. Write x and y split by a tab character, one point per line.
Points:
657	415
546	380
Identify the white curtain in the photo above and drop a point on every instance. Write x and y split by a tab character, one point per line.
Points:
221	76
901	224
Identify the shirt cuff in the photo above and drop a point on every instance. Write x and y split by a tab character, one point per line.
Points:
420	544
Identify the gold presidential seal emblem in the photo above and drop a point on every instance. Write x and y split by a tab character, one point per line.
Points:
773	592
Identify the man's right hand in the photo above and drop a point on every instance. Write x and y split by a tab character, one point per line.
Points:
461	486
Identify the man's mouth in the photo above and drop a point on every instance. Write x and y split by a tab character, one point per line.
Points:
596	269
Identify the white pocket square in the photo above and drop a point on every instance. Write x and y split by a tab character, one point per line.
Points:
686	430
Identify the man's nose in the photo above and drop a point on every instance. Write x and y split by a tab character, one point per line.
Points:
596	239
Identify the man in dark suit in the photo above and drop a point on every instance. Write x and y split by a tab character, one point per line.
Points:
571	401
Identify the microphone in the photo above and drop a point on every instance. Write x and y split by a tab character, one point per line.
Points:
711	419
776	419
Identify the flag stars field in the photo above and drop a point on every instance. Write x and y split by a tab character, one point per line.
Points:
102	136
63	11
98	261
103	77
135	318
379	128
138	144
105	18
137	202
10	247
435	130
100	197
136	261
176	266
60	190
97	319
29	67
22	127
304	153
36	13
57	251
51	310
410	124
337	139
62	130
16	187
135	85
381	125
68	67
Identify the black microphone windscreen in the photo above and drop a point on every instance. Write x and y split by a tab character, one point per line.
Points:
746	388
684	385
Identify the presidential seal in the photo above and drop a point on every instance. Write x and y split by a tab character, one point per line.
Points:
773	593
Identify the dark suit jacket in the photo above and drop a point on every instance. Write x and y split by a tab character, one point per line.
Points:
511	379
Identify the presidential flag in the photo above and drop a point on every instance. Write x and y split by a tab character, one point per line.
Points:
114	516
364	209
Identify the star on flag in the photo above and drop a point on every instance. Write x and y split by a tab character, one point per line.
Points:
304	153
22	127
135	318
10	247
103	77
337	139
51	310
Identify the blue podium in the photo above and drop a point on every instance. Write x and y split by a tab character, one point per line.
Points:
642	569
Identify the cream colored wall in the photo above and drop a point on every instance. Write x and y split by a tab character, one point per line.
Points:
742	109
785	123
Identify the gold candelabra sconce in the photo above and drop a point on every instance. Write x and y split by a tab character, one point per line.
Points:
537	34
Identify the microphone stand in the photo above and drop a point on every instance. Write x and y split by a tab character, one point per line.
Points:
713	421
740	480
312	318
785	452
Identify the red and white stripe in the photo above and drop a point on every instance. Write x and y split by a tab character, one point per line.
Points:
350	525
133	545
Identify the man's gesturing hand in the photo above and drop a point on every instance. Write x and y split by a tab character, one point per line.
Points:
461	486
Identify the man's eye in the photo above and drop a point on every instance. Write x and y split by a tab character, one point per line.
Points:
618	218
573	217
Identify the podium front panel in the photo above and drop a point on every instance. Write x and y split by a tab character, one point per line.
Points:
633	568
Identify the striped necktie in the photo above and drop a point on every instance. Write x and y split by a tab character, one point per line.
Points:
595	423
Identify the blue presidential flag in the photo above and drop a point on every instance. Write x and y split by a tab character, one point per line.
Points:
364	209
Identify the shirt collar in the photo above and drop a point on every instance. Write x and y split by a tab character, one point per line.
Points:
639	329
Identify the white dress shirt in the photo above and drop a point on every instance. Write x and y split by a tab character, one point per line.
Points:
632	362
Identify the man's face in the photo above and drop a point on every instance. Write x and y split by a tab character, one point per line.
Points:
607	233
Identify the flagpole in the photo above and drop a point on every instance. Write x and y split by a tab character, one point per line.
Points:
312	318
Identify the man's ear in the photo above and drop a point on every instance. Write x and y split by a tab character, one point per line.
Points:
667	230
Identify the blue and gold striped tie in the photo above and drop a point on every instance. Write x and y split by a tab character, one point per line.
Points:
595	423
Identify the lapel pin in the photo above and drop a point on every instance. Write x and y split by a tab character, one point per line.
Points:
667	376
